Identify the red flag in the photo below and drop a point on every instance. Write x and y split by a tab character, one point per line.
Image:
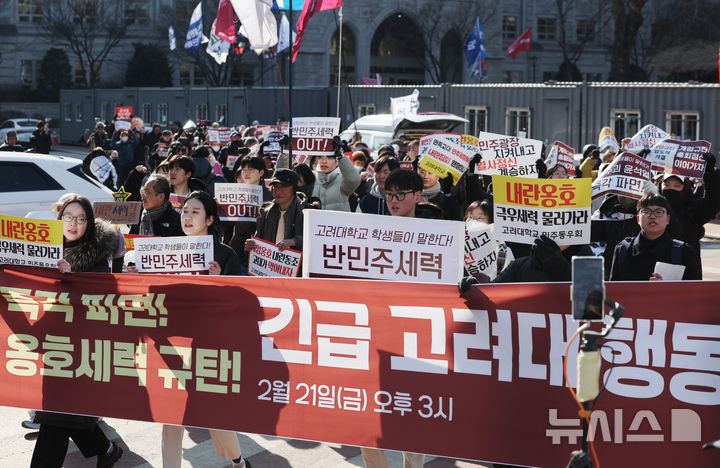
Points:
521	43
225	22
310	8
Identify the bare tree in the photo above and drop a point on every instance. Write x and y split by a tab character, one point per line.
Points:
628	18
92	29
461	19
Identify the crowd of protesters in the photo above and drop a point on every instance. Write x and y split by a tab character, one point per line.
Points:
665	225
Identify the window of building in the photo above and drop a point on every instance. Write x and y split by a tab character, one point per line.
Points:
201	112
546	29
509	27
137	11
517	121
221	113
477	120
585	30
512	77
78	112
624	122
683	125
366	109
27	73
104	110
67	114
162	109
30	11
147	112
185	72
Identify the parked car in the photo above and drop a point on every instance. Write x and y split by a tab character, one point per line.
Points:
376	130
33	182
24	128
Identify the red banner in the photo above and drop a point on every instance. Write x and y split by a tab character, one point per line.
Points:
477	376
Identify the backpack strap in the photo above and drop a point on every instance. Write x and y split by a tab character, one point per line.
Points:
676	252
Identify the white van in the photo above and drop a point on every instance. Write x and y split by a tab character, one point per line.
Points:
376	130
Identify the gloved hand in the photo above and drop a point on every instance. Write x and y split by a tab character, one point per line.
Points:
541	168
284	141
710	161
466	282
337	146
547	257
643	153
446	184
475	161
649	187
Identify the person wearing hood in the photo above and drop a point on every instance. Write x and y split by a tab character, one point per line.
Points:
11	142
374	201
336	179
691	211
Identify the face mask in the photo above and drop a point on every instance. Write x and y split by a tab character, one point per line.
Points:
235	143
124	139
358	168
673	196
216	148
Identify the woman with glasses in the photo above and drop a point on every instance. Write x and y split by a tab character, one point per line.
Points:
88	246
638	258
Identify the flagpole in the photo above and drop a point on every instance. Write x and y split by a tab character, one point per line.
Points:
290	85
337	112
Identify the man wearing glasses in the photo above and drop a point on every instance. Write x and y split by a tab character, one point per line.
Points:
158	217
638	258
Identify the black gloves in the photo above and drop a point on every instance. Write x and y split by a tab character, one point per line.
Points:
446	184
465	283
340	146
547	257
709	162
284	141
541	168
474	161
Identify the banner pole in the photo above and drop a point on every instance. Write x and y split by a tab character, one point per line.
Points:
290	86
340	41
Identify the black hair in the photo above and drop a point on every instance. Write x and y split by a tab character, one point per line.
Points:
183	162
404	179
201	151
486	205
211	209
653	199
303	171
390	160
89	235
253	162
551	170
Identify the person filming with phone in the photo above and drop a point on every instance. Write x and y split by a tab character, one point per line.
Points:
653	254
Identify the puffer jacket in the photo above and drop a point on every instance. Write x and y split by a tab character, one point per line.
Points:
333	189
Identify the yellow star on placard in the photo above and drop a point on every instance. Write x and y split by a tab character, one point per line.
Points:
121	195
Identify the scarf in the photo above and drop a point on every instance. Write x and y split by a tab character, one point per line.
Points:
428	193
148	216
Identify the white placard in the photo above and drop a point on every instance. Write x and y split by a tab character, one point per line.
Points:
172	255
122	125
507	155
353	245
267	260
625	176
679	157
238	202
669	271
646	138
480	250
313	136
443	154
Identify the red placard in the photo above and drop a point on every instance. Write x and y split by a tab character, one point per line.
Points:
123	113
430	371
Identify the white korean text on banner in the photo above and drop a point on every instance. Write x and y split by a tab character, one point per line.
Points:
273	146
353	245
443	154
33	242
470	144
480	250
625	176
267	260
127	212
177	201
646	138
238	202
526	208
313	136
172	255
123	113
562	154
679	157
508	155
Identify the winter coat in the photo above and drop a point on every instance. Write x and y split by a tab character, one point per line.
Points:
643	254
267	223
374	202
536	269
227	258
41	141
333	189
126	152
94	255
167	225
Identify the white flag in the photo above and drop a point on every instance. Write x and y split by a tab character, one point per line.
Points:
284	36
217	48
171	37
404	105
258	23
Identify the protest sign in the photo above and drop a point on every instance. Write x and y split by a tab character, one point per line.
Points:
507	155
625	176
224	135
33	242
231	160
127	212
263	130
607	140
238	202
480	250
677	157
137	123
162	149
442	154
177	201
267	260
123	113
403	106
526	208
122	125
646	138
213	135
313	136
562	154
273	146
130	241
382	247
171	255
418	371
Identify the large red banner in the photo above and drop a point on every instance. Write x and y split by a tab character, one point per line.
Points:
415	367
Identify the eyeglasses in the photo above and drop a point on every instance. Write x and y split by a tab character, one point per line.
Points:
68	218
145	193
400	196
659	213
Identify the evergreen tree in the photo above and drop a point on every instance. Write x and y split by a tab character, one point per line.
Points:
55	73
149	66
